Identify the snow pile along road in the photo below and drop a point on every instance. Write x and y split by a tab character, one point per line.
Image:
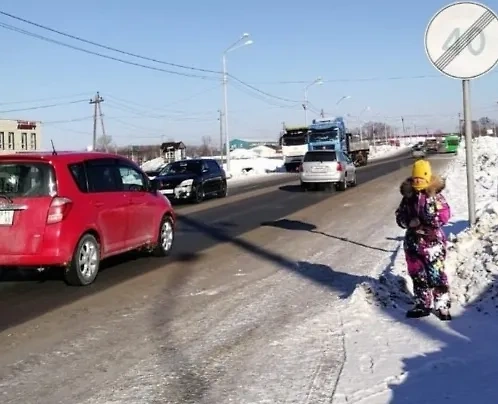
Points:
381	151
397	360
254	167
154	164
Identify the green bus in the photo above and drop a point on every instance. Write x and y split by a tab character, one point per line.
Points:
450	144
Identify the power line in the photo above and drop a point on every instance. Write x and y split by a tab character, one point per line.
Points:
363	79
41	37
12	28
263	98
83	118
43	106
190	97
45	99
77	38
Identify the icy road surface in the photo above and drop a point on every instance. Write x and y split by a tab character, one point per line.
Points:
258	319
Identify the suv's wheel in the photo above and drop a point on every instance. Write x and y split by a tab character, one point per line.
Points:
355	181
165	238
198	194
85	264
341	186
224	191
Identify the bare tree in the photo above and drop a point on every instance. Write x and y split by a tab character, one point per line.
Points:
105	143
205	149
481	126
377	130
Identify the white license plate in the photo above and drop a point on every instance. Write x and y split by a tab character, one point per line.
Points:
167	191
6	217
318	169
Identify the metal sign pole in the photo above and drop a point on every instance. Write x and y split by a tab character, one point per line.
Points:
468	152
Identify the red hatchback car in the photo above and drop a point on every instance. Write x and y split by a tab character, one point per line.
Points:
73	209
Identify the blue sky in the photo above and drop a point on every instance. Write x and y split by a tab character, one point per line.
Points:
293	41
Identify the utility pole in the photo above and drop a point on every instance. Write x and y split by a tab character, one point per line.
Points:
404	129
101	115
220	118
322	113
96	103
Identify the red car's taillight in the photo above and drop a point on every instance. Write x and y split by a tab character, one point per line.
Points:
58	210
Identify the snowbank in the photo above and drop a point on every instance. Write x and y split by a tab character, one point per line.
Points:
245	165
392	359
385	151
154	164
242	154
253	168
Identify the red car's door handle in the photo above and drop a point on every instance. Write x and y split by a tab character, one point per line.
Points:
98	204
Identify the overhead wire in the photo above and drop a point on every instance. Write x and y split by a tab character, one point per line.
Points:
77	38
361	79
54	41
262	97
188	98
10	27
42	106
45	99
84	118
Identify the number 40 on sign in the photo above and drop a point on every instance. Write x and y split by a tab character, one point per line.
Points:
476	47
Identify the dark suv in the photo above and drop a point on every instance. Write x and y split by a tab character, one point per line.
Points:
192	180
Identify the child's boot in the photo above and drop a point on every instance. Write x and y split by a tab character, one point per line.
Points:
418	311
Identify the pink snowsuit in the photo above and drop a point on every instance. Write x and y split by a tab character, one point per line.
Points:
425	245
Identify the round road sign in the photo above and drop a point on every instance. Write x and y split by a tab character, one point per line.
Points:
461	40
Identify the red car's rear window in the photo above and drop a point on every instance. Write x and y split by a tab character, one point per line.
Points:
27	179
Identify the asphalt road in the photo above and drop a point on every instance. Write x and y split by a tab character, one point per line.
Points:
256	319
27	294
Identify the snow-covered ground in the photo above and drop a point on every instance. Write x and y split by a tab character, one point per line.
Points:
154	164
378	152
391	359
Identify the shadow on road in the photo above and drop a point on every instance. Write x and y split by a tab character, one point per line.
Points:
318	273
297	225
291	188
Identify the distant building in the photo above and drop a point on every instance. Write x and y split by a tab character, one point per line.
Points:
174	151
17	135
250	143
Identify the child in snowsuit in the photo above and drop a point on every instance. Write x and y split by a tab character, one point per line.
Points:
423	211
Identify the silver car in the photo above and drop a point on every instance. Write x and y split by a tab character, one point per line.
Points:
327	167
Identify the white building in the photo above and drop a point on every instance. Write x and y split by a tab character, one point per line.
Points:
174	151
17	135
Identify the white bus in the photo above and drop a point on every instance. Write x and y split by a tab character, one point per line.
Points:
294	146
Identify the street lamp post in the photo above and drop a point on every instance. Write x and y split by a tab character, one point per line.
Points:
305	105
236	45
344	97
